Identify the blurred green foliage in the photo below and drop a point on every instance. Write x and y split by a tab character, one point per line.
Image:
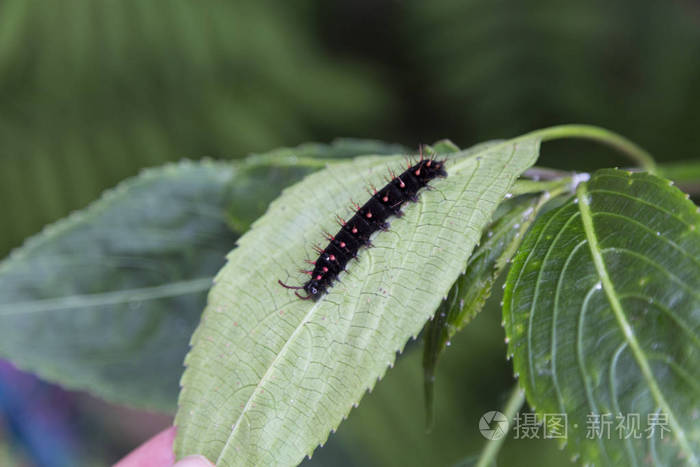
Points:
508	67
92	90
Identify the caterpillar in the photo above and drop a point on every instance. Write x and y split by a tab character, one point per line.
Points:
368	218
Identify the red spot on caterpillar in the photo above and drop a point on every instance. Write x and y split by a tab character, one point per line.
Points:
354	230
342	244
368	215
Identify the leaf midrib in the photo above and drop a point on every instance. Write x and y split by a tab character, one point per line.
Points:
172	289
265	377
627	331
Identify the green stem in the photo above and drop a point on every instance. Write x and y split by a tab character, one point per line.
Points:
681	171
545	173
515	401
686	174
601	135
524	186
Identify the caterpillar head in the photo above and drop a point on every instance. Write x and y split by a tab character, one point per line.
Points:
429	169
314	288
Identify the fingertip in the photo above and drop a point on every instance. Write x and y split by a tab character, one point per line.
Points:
156	452
194	461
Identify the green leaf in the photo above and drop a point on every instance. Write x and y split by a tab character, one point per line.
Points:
601	310
269	376
106	299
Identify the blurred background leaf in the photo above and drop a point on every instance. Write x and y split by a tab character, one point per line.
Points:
91	91
106	299
109	296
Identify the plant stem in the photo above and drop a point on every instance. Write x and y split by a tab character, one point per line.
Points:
525	186
601	135
681	171
545	173
686	174
515	401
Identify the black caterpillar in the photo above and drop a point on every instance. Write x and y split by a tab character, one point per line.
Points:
367	219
